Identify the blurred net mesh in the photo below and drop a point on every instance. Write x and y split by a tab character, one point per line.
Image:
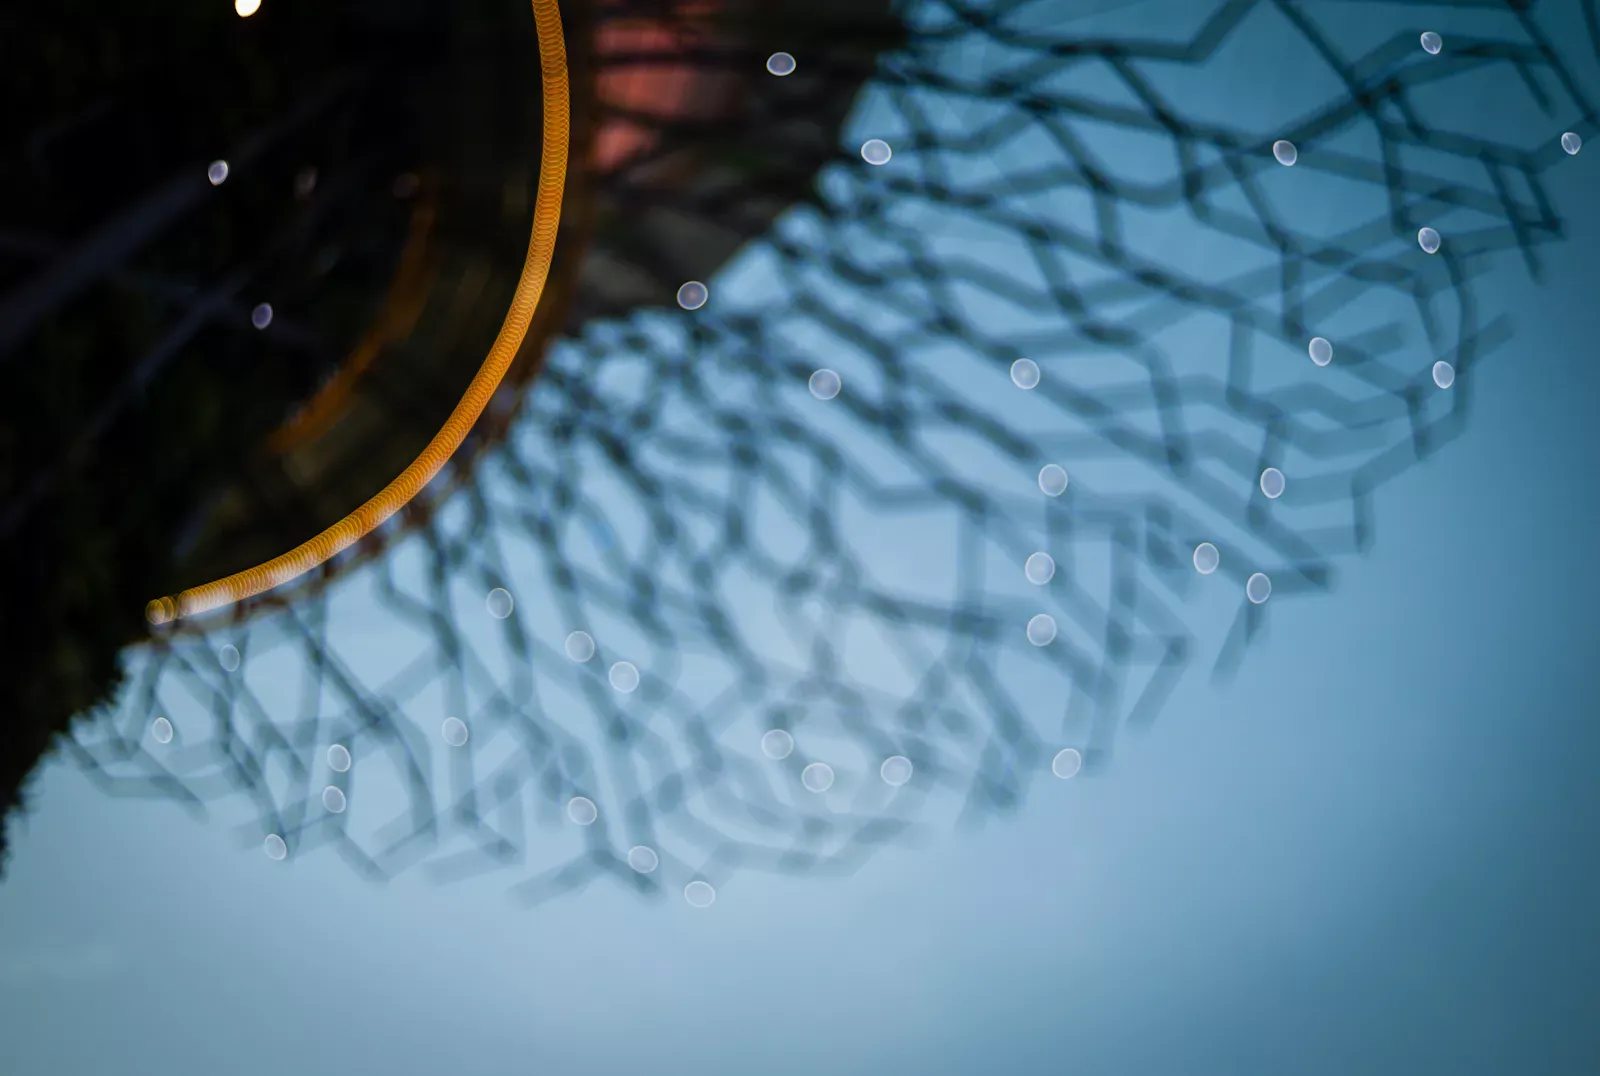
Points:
1097	195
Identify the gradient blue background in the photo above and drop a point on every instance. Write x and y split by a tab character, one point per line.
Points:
1375	852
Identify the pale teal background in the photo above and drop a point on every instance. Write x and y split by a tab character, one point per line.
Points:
1375	852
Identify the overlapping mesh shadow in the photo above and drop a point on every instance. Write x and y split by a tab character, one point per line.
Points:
849	569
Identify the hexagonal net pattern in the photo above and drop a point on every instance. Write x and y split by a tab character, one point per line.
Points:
951	475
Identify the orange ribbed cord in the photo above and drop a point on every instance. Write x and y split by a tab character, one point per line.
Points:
395	496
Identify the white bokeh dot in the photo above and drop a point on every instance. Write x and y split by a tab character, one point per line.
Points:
339	758
780	64
699	894
817	777
1444	375
579	646
777	744
1273	483
895	771
1431	42
1428	240
228	657
1025	374
1042	630
1321	351
161	730
1052	480
499	603
875	151
261	316
693	295
825	384
1285	152
1258	588
624	677
454	731
333	799
1039	569
217	172
1067	763
582	811
1571	142
1207	558
643	859
274	846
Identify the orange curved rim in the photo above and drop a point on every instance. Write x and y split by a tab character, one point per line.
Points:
530	287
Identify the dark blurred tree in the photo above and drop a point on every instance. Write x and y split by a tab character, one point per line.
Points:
381	159
137	383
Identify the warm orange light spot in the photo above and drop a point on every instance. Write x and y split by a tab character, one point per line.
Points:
649	78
